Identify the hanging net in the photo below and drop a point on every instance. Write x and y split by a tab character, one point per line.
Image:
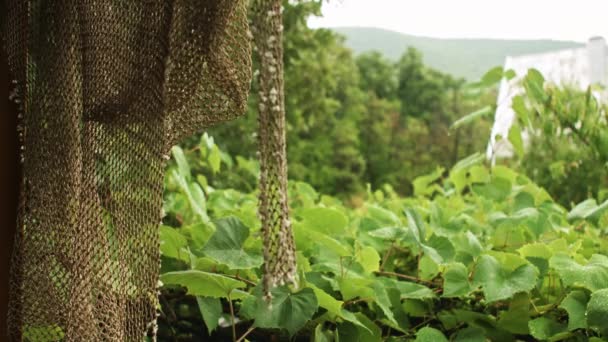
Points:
279	250
106	88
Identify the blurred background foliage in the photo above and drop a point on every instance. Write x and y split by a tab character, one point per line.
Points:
361	119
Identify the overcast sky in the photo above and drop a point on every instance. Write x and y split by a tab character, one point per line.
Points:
508	19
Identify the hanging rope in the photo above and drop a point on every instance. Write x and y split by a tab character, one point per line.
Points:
279	249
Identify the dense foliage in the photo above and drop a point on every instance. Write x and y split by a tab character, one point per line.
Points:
567	147
399	238
357	120
477	254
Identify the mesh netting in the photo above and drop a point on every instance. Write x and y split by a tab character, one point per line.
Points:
107	87
279	249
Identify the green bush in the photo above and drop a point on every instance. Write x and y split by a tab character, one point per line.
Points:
477	254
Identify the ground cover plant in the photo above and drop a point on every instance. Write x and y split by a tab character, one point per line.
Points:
476	254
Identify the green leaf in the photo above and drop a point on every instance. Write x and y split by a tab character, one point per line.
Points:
226	245
215	159
182	163
324	220
519	106
498	189
492	76
211	310
428	334
456	281
588	210
534	84
515	320
424	185
195	195
326	301
544	328
383	216
369	258
286	310
593	276
416	225
516	140
173	244
322	335
409	290
205	284
470	334
499	282
576	305
597	311
469	118
383	301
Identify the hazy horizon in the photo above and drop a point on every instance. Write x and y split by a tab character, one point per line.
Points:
473	19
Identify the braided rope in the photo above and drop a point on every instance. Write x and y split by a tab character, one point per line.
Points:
279	249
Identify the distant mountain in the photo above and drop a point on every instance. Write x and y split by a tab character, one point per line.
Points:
468	58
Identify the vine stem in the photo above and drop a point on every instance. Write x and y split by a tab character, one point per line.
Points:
232	319
387	255
404	276
245	334
237	277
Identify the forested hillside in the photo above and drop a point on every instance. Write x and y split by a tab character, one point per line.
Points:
467	58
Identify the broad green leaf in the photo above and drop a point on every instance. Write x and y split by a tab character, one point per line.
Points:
593	276
409	290
173	244
215	159
182	163
369	258
516	318
324	220
365	331
198	235
326	301
597	311
470	334
416	225
424	185
428	334
473	159
499	282
383	301
391	233
536	250
520	109
497	189
534	84
443	246
226	245
211	310
588	210
492	76
576	305
383	216
205	284
310	240
516	140
194	194
582	210
456	281
544	328
322	335
472	117
289	311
